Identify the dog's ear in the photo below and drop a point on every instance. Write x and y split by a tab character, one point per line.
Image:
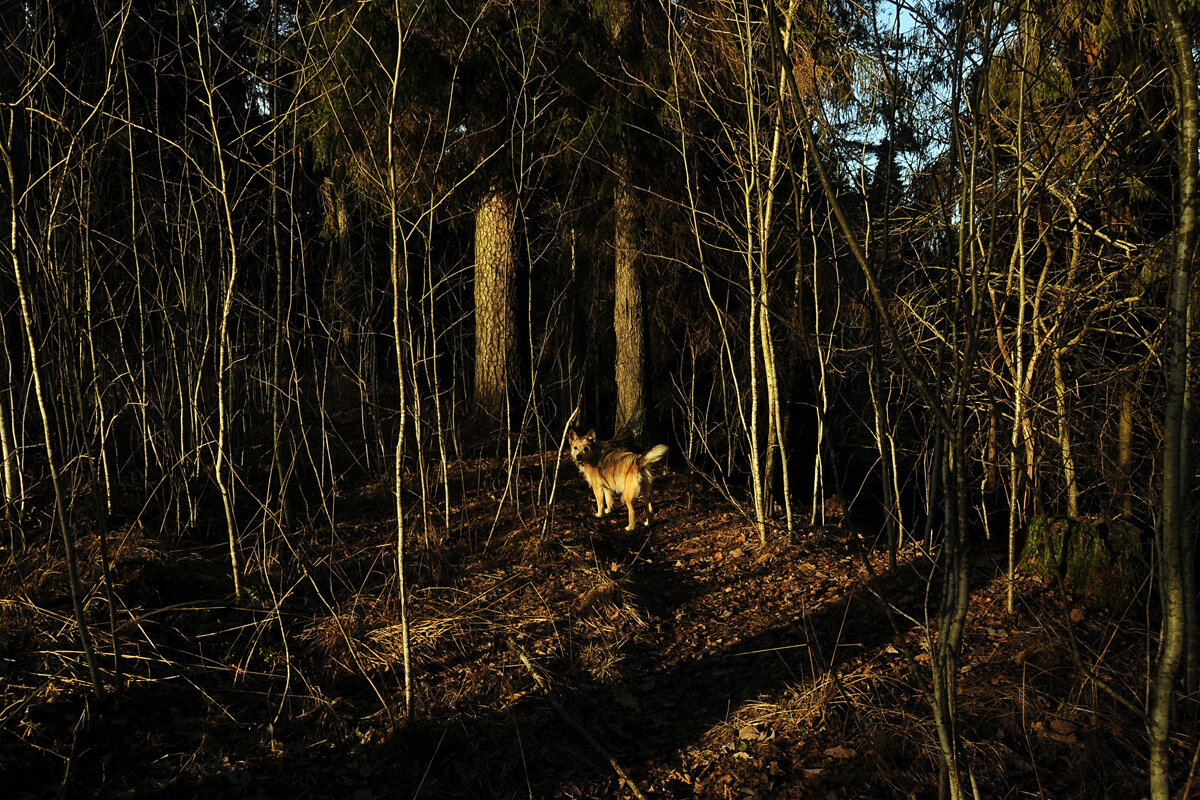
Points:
591	435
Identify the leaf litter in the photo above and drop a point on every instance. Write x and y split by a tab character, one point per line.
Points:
683	661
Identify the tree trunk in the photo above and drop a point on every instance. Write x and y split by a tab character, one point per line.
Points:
8	458
397	260
628	309
624	31
1064	436
223	466
9	467
495	273
61	507
1125	448
1176	483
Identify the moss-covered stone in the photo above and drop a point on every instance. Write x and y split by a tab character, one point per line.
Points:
1099	558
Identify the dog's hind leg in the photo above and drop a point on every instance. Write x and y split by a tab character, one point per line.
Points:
632	513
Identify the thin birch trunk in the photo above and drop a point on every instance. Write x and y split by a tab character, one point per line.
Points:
398	271
1019	367
223	466
777	441
1175	533
1066	451
62	512
1125	448
9	454
751	198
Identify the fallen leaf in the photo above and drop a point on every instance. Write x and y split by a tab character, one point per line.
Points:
749	733
1063	726
1049	733
1077	615
840	752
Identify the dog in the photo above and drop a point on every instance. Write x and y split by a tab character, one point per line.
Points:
611	469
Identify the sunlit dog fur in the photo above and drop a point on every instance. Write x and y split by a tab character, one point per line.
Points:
611	469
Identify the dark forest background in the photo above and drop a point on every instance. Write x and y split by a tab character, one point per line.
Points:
925	266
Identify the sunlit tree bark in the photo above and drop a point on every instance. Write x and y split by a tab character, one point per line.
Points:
628	304
223	465
495	276
49	429
623	20
1177	484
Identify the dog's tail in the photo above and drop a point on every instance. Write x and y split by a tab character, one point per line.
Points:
655	454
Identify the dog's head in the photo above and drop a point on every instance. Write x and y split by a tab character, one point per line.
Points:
582	447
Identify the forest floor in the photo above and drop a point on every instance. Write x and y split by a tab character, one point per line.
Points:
686	660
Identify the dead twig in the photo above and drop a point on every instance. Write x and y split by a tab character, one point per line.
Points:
557	463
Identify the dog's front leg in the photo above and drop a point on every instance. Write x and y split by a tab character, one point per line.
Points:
601	509
608	500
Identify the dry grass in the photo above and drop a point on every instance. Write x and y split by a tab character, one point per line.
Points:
710	667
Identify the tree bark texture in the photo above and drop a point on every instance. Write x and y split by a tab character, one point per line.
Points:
1176	483
628	307
495	273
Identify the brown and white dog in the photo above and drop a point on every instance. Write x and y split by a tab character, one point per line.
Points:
611	469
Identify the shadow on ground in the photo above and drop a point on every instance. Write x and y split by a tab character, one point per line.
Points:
724	625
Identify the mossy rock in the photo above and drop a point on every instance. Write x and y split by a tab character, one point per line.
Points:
1099	558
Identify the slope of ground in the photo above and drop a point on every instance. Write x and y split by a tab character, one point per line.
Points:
553	655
